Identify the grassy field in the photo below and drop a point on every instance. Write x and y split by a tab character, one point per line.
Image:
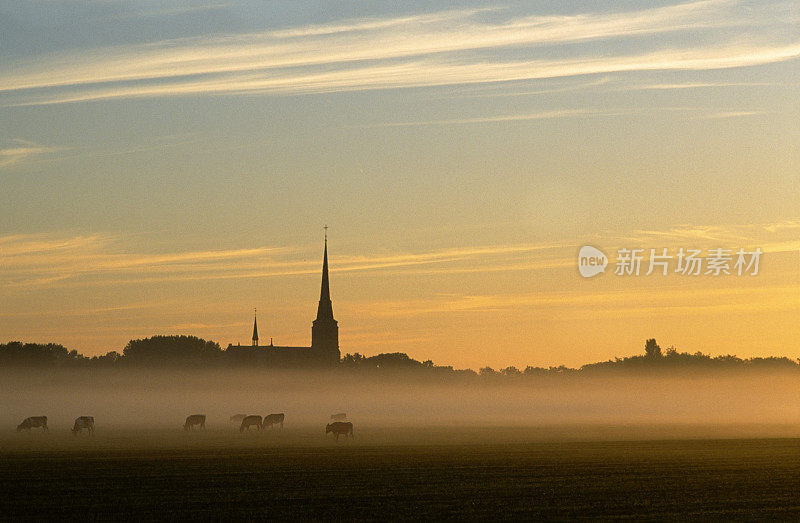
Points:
298	473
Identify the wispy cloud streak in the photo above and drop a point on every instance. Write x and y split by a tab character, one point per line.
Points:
42	261
22	151
729	114
543	115
671	302
422	50
36	261
699	113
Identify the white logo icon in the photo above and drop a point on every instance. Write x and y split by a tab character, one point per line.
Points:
591	261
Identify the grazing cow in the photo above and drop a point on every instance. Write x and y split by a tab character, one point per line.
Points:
339	417
33	422
195	419
83	422
338	427
250	421
272	419
237	418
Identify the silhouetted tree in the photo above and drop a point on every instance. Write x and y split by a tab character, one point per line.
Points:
651	349
771	362
172	350
535	371
193	351
353	360
561	369
107	360
39	355
393	360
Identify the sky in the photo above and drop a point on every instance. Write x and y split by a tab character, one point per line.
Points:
167	167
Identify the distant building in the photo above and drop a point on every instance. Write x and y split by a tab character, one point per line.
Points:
324	347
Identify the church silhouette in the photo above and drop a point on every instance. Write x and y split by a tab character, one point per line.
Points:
324	347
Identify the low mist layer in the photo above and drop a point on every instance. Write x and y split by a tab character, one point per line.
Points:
386	405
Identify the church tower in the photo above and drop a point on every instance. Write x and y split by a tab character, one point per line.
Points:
325	330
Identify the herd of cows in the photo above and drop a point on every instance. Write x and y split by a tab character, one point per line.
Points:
245	422
81	423
338	427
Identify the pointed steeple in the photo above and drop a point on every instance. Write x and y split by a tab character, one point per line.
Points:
325	309
325	329
255	328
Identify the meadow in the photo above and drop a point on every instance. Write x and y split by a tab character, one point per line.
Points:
390	472
672	447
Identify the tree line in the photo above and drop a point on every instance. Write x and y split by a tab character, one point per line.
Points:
191	351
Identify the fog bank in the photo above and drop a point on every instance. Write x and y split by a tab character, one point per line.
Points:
120	398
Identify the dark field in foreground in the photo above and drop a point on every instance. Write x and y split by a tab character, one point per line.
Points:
674	479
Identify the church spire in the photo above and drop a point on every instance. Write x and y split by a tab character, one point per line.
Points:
255	328
325	309
325	292
325	330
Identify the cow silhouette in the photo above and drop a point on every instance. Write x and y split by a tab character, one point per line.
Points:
237	418
272	419
250	421
83	422
339	427
195	419
33	422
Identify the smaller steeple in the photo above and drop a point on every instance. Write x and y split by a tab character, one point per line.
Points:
255	328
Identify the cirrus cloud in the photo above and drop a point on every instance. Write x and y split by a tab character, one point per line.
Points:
434	49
